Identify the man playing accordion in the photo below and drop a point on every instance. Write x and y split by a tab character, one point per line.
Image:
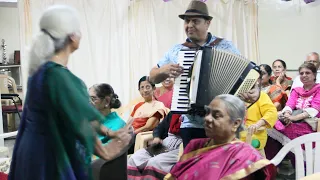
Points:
196	24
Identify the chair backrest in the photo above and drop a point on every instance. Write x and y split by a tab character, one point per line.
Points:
5	82
312	155
124	110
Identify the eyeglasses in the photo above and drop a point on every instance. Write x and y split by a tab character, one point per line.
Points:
307	73
93	98
147	87
312	61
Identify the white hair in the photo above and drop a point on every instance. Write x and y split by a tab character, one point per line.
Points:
314	54
236	109
57	23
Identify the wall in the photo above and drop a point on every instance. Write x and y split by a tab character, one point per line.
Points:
288	31
9	29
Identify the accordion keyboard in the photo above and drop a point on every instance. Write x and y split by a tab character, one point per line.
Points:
180	100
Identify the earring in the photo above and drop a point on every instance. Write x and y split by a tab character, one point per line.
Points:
234	129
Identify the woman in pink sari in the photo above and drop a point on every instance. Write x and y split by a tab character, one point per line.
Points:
299	116
222	155
165	92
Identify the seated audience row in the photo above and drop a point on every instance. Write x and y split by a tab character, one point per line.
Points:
262	112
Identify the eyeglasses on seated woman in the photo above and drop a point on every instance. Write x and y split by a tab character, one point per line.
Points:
222	155
301	113
104	99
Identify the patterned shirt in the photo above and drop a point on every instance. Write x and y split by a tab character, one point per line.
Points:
171	56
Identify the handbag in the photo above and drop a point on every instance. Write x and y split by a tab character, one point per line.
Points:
312	121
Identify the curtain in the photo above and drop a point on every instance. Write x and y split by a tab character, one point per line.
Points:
123	40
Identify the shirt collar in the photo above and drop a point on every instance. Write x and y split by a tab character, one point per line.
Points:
209	38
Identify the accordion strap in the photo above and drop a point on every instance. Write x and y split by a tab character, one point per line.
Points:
216	41
192	45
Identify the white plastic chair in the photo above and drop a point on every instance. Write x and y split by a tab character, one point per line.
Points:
312	156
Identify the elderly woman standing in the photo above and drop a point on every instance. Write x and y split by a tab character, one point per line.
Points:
221	155
57	134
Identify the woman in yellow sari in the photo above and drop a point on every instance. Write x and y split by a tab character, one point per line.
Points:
260	113
222	155
147	115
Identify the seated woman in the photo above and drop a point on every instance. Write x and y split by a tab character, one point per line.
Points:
275	92
303	106
299	116
165	92
262	113
147	115
280	78
104	99
143	164
222	155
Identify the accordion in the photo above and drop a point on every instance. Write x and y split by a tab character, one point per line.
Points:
208	73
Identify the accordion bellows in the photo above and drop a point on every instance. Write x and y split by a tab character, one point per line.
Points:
208	73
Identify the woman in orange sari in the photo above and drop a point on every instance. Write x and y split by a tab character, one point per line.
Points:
275	92
280	78
147	115
222	155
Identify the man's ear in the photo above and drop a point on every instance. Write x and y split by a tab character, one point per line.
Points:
208	22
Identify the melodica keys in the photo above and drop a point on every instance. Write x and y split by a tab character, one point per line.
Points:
180	100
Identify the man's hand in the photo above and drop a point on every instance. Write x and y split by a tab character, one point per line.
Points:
156	141
172	70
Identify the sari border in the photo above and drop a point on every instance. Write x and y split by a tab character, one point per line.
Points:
248	170
203	150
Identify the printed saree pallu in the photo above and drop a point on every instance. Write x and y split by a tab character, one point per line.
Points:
235	160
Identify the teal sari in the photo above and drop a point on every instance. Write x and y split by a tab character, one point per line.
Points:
113	122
